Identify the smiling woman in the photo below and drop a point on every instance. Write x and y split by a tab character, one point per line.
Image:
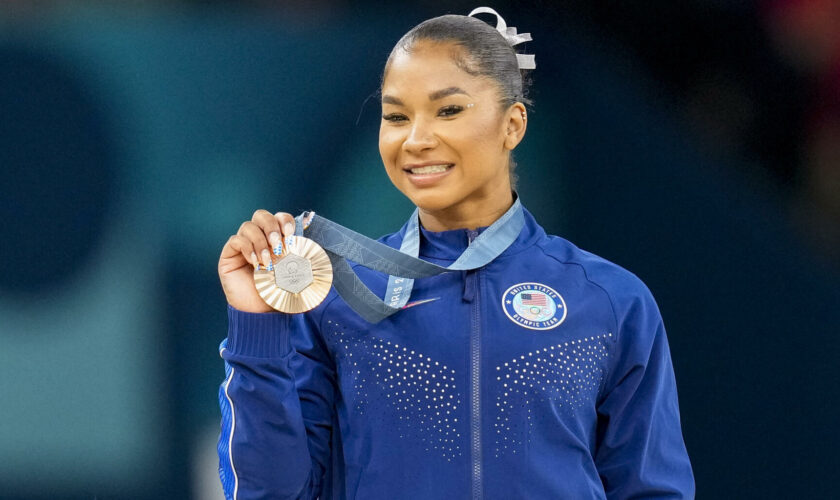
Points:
538	370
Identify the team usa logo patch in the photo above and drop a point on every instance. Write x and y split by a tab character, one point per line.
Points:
534	306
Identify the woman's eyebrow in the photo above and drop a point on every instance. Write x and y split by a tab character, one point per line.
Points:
434	96
387	99
440	94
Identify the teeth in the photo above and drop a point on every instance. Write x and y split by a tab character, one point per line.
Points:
430	169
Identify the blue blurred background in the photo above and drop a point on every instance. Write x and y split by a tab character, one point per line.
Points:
696	143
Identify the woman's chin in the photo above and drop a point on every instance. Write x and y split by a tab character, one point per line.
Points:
432	200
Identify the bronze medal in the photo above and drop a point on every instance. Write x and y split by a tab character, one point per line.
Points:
299	280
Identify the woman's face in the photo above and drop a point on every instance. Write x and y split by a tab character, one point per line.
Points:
444	139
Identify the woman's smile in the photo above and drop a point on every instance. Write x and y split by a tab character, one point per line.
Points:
427	173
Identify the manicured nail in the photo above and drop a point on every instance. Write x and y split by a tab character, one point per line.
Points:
254	261
266	257
290	241
274	239
276	243
308	219
289	229
271	266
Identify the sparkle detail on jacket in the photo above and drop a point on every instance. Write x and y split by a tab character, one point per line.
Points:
397	385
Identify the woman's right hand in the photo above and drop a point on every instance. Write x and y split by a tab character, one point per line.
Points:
253	244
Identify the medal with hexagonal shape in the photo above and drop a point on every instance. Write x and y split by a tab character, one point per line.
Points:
298	281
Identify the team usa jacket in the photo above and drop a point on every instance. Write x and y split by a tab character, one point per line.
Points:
545	374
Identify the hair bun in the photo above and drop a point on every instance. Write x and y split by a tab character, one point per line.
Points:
526	61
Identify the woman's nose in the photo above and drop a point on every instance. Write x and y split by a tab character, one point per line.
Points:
420	137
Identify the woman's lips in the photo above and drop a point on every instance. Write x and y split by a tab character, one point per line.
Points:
428	174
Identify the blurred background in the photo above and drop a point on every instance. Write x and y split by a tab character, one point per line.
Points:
696	143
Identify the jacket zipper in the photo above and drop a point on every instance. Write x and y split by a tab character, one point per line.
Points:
473	291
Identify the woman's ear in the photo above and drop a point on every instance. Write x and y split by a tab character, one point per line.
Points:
516	119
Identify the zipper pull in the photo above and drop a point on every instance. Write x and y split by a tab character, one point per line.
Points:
472	234
470	285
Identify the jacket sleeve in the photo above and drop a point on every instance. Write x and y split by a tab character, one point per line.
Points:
277	407
640	450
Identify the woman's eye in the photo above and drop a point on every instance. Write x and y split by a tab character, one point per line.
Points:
394	117
450	110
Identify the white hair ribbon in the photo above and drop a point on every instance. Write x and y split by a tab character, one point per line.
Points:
526	61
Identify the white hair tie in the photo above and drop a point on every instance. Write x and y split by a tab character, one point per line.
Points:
526	61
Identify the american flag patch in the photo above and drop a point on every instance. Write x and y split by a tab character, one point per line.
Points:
533	299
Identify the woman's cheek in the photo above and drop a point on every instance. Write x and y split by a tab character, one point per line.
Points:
389	146
391	170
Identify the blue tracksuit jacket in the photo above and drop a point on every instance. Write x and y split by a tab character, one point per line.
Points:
545	374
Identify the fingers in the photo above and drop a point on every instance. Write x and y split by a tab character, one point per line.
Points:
263	233
261	237
241	246
271	229
287	222
257	240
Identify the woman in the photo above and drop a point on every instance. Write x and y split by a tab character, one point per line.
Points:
544	373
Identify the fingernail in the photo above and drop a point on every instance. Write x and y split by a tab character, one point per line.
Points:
308	219
276	243
266	257
288	229
290	241
271	266
254	261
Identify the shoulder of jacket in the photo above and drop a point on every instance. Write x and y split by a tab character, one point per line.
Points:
621	286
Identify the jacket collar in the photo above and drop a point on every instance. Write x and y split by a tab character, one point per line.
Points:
449	245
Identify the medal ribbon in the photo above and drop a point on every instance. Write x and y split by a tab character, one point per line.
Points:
403	266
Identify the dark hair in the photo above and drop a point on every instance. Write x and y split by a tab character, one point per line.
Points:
486	52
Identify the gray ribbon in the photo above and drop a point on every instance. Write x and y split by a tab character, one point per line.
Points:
403	266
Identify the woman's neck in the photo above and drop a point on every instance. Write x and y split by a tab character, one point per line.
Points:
468	215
